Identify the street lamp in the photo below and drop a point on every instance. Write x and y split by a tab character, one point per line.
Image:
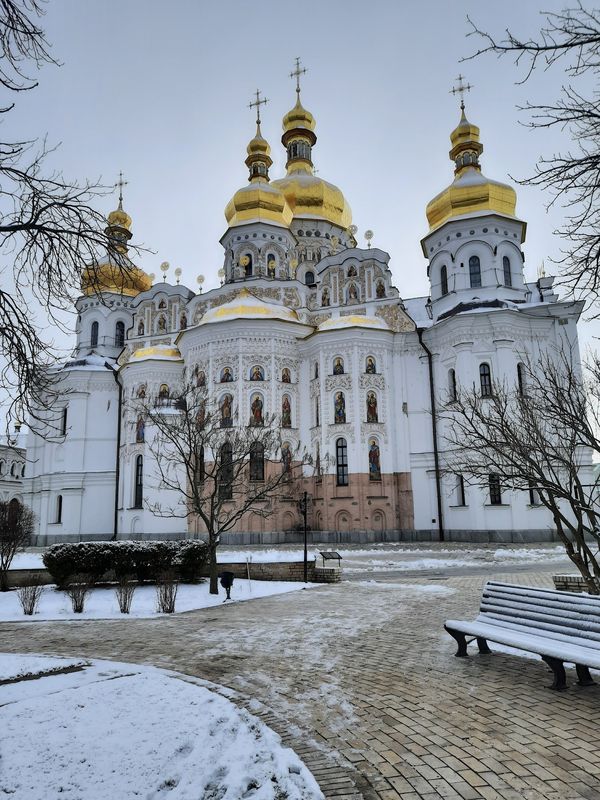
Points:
303	507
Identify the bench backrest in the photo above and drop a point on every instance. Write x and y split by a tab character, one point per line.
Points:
542	610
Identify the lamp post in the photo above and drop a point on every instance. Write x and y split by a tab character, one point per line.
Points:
304	511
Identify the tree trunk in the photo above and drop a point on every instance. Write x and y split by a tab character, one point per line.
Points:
214	568
3	580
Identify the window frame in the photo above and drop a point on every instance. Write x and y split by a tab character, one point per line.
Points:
59	509
444	280
495	489
138	482
94	333
257	462
485	380
507	272
475	272
120	333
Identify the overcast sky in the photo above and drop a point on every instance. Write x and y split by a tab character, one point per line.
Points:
160	90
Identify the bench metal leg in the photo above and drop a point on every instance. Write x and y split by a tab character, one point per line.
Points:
583	675
461	642
484	650
557	667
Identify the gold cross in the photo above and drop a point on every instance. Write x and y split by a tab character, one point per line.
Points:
121	183
258	103
296	74
461	89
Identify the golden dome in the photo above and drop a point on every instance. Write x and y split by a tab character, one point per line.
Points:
298	117
259	200
126	279
313	197
471	192
119	218
247	306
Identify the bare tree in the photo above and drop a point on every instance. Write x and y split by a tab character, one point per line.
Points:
221	467
569	39
49	231
537	437
16	527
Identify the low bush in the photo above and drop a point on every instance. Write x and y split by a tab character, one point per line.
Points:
78	589
125	591
117	560
166	592
29	596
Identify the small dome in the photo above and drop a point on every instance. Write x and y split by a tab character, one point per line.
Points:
119	218
353	321
247	306
258	145
160	351
298	117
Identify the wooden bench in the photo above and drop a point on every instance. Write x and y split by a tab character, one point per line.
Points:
561	627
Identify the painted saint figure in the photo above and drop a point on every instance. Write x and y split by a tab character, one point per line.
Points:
183	322
139	430
201	379
339	408
325	297
286	412
141	329
370	369
226	404
257	374
226	375
286	375
374	464
286	458
201	417
141	392
162	323
338	366
352	272
256	409
372	415
352	292
380	290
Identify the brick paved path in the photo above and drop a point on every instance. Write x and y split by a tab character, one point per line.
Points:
361	681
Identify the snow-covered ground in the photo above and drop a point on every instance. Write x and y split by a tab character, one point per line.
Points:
102	602
125	731
17	666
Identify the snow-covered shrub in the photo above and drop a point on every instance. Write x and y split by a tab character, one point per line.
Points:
29	596
191	560
125	590
78	589
109	560
166	592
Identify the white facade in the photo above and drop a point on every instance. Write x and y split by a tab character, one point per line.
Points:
337	350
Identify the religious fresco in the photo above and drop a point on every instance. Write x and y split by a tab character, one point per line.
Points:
371	367
141	392
374	461
162	324
141	329
201	379
325	297
256	410
286	412
162	304
286	375
140	430
183	322
226	411
380	289
352	292
339	409
257	373
372	414
164	392
352	272
286	458
201	417
226	375
338	366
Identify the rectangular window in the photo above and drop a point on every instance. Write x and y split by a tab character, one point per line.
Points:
341	458
534	495
495	490
460	491
63	422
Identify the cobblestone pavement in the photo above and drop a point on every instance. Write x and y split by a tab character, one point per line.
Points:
361	681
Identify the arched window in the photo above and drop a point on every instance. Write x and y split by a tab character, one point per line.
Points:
138	496
120	334
199	472
63	422
163	394
316	369
452	385
246	262
460	491
59	509
341	462
506	270
521	379
444	280
475	272
271	265
309	278
225	471
257	462
23	471
372	412
317	414
2	466
286	411
12	469
485	380
94	335
495	489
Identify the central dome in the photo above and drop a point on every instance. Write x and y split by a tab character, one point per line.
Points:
312	197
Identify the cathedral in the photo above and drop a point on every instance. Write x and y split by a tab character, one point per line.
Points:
307	327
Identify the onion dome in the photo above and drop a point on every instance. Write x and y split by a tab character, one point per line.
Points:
470	192
309	196
259	201
117	274
247	306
